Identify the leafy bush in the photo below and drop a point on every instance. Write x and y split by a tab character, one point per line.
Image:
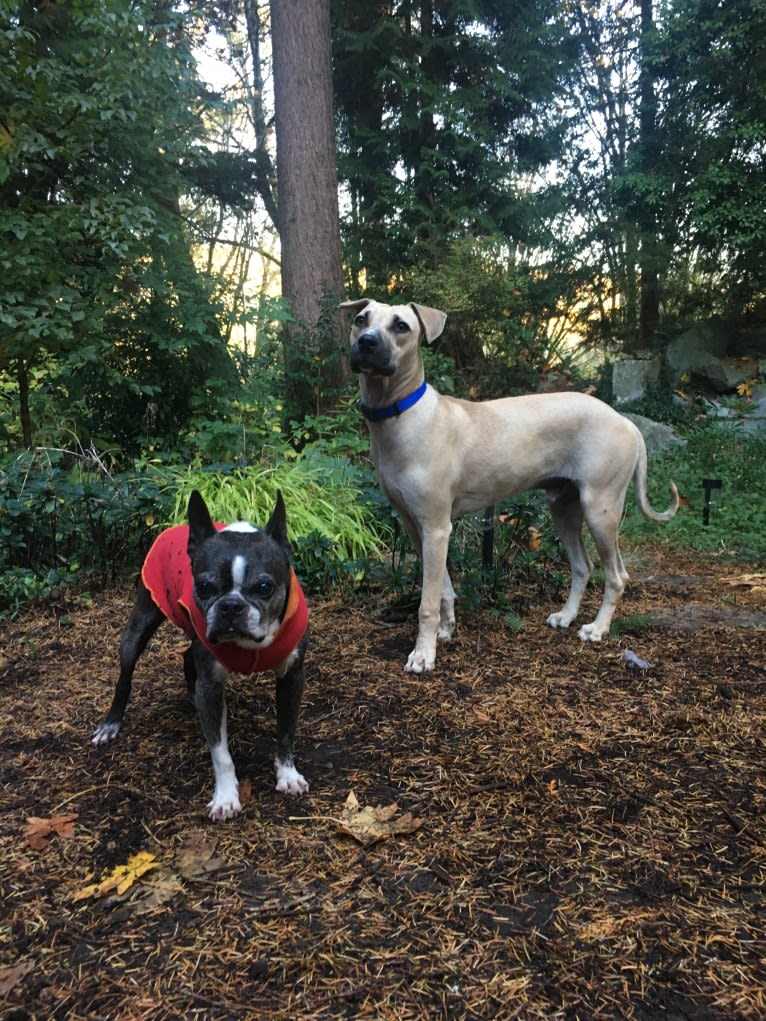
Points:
737	525
334	530
62	523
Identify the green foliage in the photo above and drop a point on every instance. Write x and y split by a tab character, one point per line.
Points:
737	524
66	520
335	531
440	109
716	126
100	111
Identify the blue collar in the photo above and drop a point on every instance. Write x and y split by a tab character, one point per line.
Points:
392	410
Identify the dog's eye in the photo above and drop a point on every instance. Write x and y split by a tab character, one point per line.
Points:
263	588
361	319
205	588
401	327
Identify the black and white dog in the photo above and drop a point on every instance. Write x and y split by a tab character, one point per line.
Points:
234	592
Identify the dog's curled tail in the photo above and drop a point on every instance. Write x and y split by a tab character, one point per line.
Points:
639	481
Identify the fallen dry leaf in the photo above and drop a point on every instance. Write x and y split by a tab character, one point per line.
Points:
245	791
11	975
369	825
150	895
196	854
751	581
121	878
39	832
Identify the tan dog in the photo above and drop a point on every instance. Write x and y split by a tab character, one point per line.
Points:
438	457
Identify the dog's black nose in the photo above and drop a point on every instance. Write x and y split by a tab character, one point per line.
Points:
231	605
368	341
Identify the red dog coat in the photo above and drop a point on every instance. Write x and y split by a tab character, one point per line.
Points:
167	575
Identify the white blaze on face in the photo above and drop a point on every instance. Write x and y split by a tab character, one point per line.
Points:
238	571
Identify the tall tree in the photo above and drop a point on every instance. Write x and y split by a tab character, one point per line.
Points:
445	109
312	275
714	122
650	257
99	104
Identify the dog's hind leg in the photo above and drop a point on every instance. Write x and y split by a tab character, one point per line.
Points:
143	621
604	523
446	610
567	514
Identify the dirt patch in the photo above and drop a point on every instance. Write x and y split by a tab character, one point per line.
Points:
592	838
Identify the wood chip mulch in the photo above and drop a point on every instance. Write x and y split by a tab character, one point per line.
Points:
590	840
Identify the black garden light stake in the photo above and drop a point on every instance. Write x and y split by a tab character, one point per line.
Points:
488	541
709	485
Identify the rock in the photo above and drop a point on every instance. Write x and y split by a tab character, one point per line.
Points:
632	377
656	435
698	344
725	374
751	342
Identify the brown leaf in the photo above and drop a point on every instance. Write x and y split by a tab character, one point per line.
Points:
151	894
748	581
196	854
39	832
369	825
11	975
245	791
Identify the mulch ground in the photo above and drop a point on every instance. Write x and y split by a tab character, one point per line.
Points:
588	841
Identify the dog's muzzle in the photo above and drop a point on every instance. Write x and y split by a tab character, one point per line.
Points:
370	353
235	619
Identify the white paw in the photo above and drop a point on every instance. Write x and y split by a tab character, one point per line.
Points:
105	733
418	662
290	781
225	804
445	631
560	619
591	633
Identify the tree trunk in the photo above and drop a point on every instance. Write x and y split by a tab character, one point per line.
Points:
307	184
649	302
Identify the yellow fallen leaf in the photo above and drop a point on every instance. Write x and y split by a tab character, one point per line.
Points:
369	825
121	878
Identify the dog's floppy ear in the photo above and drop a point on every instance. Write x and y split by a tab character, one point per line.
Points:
276	526
431	319
357	304
201	525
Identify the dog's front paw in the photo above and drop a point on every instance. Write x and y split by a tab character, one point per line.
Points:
225	804
419	661
560	619
592	632
105	732
290	781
